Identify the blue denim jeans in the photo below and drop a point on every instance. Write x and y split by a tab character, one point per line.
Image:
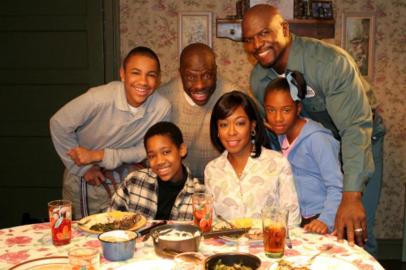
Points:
372	192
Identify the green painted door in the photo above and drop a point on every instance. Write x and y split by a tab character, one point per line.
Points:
50	52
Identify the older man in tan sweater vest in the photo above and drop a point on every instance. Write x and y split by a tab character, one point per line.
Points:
193	94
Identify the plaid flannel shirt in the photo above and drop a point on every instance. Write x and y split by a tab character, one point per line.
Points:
139	193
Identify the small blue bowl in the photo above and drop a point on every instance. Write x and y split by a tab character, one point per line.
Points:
118	245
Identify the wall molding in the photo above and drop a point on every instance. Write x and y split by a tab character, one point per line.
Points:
111	42
389	249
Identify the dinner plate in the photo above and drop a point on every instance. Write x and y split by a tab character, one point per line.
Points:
252	235
87	222
158	264
46	263
319	263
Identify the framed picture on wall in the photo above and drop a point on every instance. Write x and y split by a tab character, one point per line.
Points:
358	37
322	9
194	27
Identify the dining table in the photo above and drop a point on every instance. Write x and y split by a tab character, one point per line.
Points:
33	242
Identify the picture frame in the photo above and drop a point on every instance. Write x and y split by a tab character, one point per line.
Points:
322	9
194	27
357	38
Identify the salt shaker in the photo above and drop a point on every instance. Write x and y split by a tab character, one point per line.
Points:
243	244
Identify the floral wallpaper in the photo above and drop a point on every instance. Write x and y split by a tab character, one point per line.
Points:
155	24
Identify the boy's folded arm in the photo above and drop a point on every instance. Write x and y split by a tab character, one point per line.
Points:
115	157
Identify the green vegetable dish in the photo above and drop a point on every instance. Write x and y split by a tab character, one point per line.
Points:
237	266
125	223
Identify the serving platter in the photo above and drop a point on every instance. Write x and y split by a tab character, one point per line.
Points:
254	234
86	223
319	263
158	264
45	263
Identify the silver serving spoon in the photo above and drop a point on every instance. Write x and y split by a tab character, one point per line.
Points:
310	261
163	232
226	221
288	240
83	222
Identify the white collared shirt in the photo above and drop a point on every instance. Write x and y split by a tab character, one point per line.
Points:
189	99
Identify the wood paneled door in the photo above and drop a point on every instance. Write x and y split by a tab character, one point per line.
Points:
50	52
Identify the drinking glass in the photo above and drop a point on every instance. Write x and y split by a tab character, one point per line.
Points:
274	229
83	258
60	219
203	210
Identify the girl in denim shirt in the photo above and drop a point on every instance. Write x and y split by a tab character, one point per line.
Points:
311	150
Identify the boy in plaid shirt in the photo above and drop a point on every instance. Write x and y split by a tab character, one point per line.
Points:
163	191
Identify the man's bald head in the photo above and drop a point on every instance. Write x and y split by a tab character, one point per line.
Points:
266	36
259	14
196	50
198	71
262	10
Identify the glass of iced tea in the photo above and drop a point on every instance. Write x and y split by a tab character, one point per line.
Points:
203	210
274	229
60	219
